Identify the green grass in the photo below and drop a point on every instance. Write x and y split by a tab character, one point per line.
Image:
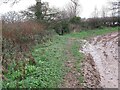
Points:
92	33
50	57
51	62
49	70
79	57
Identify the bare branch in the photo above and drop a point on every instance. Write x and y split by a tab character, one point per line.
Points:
11	1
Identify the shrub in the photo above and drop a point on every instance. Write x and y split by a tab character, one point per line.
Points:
75	20
62	27
18	39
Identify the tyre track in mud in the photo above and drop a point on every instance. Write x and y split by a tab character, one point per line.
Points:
101	61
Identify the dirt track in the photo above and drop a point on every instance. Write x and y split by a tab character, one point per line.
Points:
101	65
71	78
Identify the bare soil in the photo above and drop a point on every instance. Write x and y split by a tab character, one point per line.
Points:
71	78
101	63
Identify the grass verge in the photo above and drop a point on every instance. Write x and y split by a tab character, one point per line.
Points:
50	57
79	57
92	33
49	70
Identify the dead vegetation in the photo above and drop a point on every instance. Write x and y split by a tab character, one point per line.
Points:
18	38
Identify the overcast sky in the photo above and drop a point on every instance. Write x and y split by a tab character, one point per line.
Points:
87	5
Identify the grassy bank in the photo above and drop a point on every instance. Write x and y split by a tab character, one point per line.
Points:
49	70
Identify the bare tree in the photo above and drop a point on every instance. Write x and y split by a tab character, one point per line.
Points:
73	8
95	13
12	17
11	1
104	11
115	7
95	21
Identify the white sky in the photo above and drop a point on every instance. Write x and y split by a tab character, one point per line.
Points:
87	5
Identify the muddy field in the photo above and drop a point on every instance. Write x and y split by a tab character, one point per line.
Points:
100	67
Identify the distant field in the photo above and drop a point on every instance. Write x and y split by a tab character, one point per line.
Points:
92	33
